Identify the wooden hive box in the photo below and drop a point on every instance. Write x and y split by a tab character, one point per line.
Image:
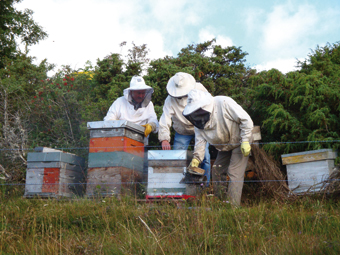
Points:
116	158
306	170
166	169
54	173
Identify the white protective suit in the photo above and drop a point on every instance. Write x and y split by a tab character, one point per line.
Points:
172	114
123	109
229	125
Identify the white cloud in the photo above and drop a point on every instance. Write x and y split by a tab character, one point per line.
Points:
288	32
283	65
253	18
287	27
205	34
90	30
176	13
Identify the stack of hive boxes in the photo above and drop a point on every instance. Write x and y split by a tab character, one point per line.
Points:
54	173
166	169
116	158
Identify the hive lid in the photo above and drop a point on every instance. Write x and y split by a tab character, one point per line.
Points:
46	149
167	155
115	124
308	156
55	156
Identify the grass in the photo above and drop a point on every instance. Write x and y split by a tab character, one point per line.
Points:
308	225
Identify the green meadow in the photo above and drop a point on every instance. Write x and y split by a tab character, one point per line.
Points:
206	225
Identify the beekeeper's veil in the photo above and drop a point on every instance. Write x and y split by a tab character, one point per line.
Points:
138	83
199	108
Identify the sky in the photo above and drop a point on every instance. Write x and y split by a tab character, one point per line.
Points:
274	33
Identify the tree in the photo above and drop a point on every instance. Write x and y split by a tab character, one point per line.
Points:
221	70
300	106
19	81
16	25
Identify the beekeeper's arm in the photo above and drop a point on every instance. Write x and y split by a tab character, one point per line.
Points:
240	116
152	122
200	144
165	123
113	112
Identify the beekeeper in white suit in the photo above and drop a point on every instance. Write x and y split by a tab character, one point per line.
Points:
178	88
224	124
135	106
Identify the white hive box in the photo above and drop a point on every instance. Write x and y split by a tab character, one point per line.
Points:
306	170
166	169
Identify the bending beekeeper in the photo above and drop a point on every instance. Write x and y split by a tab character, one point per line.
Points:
135	106
224	124
178	88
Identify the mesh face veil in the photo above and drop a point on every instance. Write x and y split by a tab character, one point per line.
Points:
199	108
198	118
140	98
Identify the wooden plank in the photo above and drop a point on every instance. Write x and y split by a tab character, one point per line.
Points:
163	199
106	174
256	133
164	180
61	186
167	155
55	156
166	169
69	188
51	180
308	156
111	144
116	124
167	163
166	191
34	180
45	149
118	158
98	133
72	175
55	164
111	181
304	176
103	181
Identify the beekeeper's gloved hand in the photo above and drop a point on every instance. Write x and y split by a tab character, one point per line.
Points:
194	163
245	148
148	129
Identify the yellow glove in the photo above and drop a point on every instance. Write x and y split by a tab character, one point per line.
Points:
245	148
194	163
148	129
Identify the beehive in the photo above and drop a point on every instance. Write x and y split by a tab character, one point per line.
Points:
306	170
116	158
54	173
166	169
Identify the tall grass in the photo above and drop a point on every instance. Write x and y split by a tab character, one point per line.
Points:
309	225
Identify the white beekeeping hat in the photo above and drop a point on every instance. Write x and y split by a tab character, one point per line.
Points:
138	83
198	99
180	84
